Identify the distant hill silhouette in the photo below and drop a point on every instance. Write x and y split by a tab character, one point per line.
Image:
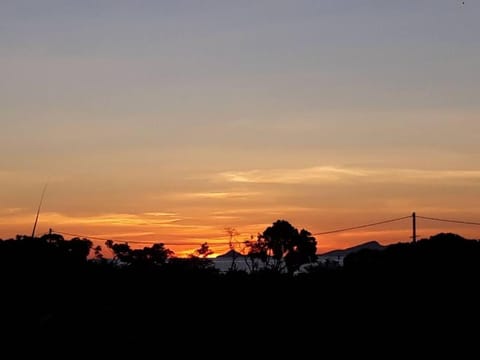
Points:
371	245
340	254
230	254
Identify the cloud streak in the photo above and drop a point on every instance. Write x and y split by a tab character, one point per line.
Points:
167	214
218	195
120	219
331	174
292	176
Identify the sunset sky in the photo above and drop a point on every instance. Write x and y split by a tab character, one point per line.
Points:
168	121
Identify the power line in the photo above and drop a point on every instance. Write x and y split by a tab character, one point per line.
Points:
100	238
449	220
227	243
362	226
318	233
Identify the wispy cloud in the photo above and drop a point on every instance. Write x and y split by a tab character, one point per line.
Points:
331	174
120	219
416	174
11	211
225	217
167	214
221	195
292	176
274	209
125	234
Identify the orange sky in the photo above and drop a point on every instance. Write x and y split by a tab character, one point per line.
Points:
183	236
170	121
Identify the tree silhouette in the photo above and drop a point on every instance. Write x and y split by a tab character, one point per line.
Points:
257	250
156	255
196	262
78	248
97	250
302	250
286	245
232	232
203	251
121	252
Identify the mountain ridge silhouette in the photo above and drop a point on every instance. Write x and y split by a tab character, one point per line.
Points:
371	245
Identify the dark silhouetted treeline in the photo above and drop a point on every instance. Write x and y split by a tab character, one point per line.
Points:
52	286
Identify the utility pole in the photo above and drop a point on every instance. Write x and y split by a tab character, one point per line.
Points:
414	227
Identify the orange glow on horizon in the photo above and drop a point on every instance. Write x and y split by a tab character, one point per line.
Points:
184	238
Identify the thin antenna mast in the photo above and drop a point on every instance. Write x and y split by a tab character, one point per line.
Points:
38	210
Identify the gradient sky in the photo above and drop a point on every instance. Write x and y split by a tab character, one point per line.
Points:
168	121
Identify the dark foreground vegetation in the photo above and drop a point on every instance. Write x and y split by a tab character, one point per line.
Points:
52	287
